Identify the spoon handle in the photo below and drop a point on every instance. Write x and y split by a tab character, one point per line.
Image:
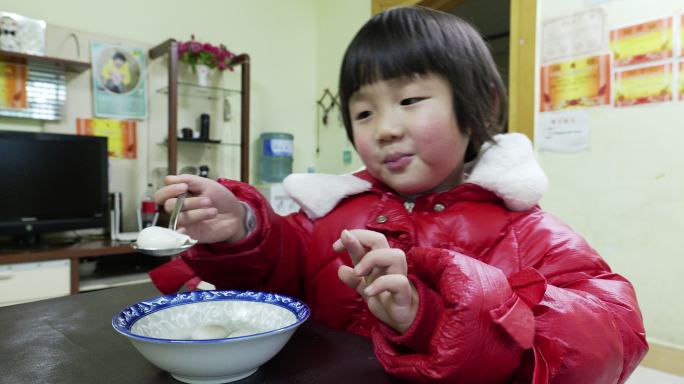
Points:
176	211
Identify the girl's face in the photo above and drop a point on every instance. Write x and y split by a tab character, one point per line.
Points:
406	133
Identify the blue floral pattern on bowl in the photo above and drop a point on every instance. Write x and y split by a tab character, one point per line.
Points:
248	314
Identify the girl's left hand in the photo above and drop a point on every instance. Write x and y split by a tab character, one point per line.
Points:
379	276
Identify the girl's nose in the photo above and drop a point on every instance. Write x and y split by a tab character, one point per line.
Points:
388	129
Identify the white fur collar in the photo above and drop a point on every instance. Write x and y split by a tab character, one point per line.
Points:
508	169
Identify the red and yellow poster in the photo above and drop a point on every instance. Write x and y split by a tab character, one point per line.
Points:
681	36
643	85
680	90
121	137
13	85
642	43
578	83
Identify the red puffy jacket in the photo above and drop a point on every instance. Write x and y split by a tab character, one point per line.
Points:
505	296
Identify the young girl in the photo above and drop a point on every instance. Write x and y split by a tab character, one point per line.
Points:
437	251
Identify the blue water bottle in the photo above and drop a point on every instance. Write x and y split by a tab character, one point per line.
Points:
275	156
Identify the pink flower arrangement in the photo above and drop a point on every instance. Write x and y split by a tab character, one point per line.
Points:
193	52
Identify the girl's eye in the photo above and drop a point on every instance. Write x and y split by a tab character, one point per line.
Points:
362	115
411	100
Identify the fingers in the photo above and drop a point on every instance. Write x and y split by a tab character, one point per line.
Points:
356	241
162	195
370	239
189	204
347	276
177	184
391	261
399	286
353	246
191	180
380	263
196	215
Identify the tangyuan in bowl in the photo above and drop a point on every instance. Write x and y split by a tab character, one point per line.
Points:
211	336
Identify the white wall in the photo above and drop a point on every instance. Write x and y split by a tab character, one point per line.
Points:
626	194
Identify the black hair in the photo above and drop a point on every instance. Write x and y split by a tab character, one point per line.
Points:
120	56
410	41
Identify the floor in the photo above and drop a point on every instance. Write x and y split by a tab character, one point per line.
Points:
643	375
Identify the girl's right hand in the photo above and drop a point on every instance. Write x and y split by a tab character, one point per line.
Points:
210	214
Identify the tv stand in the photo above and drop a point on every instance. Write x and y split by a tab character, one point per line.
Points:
34	241
73	253
25	240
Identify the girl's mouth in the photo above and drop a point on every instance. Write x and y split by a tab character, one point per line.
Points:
397	162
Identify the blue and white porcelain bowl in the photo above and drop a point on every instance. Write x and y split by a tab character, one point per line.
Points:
211	336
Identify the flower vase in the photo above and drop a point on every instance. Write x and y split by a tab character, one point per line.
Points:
203	73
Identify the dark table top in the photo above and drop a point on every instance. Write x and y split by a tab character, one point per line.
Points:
71	340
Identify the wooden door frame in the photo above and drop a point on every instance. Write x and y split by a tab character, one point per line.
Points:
378	6
522	47
521	67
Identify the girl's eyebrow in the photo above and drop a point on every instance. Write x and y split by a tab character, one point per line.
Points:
397	83
401	82
358	96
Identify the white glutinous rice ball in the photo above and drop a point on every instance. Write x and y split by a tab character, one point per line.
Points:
209	331
160	238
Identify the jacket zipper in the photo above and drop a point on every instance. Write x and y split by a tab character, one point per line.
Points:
409	206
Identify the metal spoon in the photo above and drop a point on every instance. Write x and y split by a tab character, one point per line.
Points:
173	221
176	211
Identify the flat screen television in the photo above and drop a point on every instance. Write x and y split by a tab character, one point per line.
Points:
51	183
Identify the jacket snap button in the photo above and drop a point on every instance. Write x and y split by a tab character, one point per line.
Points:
439	207
381	219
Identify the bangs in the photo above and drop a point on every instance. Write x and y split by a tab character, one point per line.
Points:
384	52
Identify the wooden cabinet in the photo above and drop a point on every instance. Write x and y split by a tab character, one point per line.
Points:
241	61
24	282
37	273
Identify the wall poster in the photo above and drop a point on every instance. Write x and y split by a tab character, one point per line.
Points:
680	90
579	34
120	134
644	42
681	35
645	85
13	85
119	81
577	83
563	131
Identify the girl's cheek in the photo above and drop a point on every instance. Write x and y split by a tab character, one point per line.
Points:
363	147
432	133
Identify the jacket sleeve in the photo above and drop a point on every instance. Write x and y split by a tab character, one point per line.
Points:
560	316
269	258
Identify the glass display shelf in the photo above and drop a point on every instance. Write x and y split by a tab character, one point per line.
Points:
199	91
